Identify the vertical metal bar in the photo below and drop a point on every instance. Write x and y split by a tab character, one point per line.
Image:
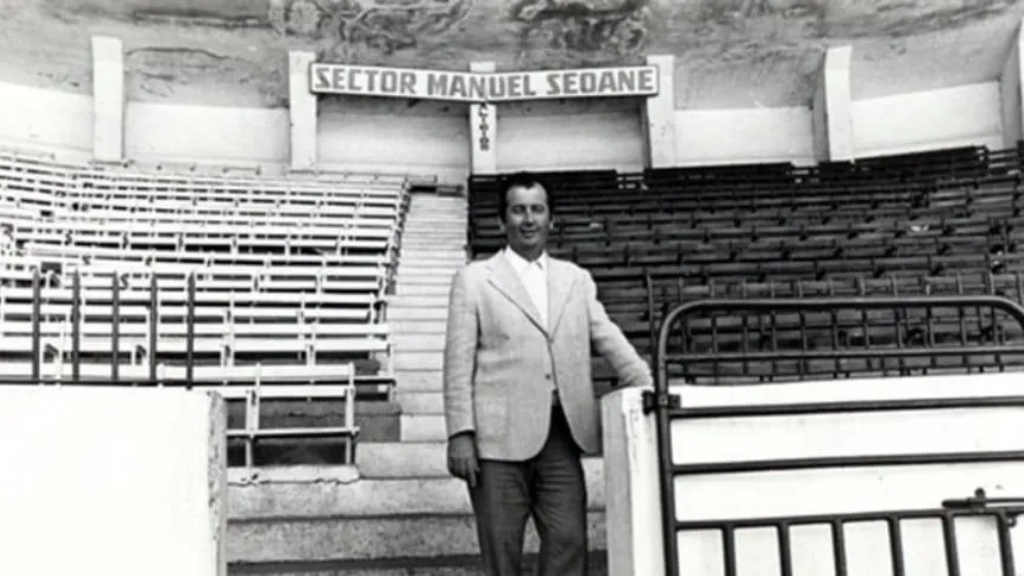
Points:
190	328
774	333
803	366
785	549
76	326
963	322
993	320
37	294
115	330
669	520
714	348
154	323
652	325
899	323
834	320
949	540
896	546
864	324
729	549
1005	544
930	328
746	333
839	548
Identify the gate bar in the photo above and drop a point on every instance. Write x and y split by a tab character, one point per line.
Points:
663	403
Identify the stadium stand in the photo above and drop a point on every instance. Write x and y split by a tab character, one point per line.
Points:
944	222
270	289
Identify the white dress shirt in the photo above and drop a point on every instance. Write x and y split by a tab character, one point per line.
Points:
534	276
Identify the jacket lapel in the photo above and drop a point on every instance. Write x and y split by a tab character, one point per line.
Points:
503	277
560	284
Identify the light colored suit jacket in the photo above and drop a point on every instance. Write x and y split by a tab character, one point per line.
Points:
500	363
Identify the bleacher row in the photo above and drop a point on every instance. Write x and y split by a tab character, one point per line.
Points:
936	223
205	281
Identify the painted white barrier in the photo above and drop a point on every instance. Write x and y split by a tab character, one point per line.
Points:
633	493
111	481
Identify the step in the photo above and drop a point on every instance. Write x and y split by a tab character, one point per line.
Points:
439	269
437	327
462	565
396	538
435	276
413	272
403	460
426	233
418	403
413	252
447	264
409	360
450	218
417	343
424	243
423	428
427	201
431	300
396	460
270	493
457	257
439	207
436	223
418	380
413	313
419	289
303	514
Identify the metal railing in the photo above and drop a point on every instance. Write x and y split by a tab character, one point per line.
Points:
668	407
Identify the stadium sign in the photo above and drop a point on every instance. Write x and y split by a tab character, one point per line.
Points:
482	86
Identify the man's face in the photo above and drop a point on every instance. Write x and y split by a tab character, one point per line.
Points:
527	220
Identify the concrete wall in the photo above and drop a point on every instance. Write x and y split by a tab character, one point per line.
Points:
552	135
964	115
634	512
396	136
112	481
214	134
432	138
744	136
38	118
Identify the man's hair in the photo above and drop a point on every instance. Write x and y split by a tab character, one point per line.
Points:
523	180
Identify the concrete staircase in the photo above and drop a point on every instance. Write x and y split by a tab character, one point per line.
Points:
433	248
399	512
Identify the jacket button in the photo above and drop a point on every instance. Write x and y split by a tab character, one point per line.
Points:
547	376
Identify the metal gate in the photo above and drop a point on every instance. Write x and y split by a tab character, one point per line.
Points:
1001	512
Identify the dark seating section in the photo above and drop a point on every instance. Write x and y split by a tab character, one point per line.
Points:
947	222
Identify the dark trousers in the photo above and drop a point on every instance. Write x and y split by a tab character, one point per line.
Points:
549	487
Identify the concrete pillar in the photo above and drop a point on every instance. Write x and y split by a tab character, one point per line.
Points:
483	130
833	107
1011	95
659	114
301	111
108	99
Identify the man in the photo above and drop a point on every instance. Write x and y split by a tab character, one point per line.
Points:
519	401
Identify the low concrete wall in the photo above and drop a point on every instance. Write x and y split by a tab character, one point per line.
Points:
112	481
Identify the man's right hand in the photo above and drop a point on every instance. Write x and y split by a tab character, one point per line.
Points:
462	460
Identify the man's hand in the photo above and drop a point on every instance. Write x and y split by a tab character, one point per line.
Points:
462	461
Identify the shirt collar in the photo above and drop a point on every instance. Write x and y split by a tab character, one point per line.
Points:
520	264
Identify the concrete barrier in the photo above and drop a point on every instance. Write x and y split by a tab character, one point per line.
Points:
634	511
112	481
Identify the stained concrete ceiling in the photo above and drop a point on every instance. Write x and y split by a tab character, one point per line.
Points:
730	53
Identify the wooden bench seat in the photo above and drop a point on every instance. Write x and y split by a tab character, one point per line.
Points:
208	258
